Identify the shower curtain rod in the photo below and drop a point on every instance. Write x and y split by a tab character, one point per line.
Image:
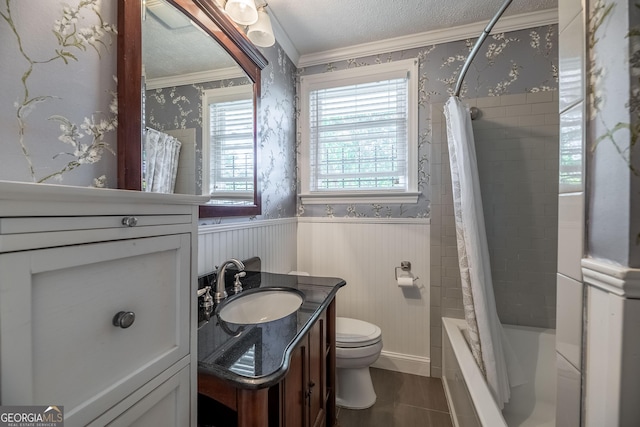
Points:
479	42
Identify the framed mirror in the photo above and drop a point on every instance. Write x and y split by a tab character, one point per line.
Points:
186	73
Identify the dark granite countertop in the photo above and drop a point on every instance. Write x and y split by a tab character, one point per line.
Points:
257	356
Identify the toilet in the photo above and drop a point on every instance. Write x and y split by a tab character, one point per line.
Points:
358	345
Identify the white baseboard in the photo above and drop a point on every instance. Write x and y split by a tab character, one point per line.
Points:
405	363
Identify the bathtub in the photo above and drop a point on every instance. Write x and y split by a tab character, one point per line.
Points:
469	398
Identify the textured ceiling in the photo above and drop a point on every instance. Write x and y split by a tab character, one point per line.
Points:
320	25
313	26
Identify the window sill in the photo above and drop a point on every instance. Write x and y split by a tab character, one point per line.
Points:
358	197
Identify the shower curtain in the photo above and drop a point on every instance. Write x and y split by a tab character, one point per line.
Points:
161	154
487	340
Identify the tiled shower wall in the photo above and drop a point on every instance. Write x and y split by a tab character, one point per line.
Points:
516	140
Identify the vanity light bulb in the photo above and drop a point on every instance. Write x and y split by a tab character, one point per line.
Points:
243	12
261	33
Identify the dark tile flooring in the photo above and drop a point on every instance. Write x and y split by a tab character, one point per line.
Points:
404	400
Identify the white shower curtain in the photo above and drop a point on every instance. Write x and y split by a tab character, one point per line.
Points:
162	152
487	340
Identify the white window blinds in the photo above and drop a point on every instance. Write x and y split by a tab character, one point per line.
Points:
231	145
358	136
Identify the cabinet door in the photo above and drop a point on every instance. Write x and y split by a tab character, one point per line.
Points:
304	387
58	343
294	388
317	386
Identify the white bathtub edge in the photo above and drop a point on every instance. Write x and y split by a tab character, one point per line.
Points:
452	409
486	408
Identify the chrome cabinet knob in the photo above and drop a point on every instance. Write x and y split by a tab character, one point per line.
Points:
124	319
130	221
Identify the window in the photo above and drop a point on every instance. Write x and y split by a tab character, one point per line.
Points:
228	143
359	135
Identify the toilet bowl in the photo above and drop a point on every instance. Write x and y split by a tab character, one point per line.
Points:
358	345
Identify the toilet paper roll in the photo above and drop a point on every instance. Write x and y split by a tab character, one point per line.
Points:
405	281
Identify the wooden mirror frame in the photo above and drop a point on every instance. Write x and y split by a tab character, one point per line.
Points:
215	23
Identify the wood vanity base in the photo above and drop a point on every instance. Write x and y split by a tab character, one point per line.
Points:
306	395
252	406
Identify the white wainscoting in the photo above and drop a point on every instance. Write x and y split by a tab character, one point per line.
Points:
273	240
365	252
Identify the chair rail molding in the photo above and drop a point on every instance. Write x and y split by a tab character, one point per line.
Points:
613	278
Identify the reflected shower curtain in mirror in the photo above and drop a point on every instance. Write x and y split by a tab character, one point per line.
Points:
161	154
486	337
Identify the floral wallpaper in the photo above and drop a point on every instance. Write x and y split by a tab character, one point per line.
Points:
277	132
58	112
614	130
622	135
508	63
634	107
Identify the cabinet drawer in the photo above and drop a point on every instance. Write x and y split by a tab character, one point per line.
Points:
67	223
168	404
58	342
19	234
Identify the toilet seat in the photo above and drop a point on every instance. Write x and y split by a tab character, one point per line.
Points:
353	333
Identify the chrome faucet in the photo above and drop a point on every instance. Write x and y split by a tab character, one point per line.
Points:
220	292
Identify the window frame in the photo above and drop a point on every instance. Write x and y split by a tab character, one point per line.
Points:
212	96
352	76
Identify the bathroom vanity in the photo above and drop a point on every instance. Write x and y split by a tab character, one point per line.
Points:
97	303
276	373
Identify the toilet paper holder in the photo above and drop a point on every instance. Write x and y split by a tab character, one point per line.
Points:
405	267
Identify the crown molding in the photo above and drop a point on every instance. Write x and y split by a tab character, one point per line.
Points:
193	78
283	39
613	278
445	35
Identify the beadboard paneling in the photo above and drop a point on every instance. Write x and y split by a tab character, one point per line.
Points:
364	252
274	241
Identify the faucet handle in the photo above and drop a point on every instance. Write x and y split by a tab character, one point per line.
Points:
237	286
208	299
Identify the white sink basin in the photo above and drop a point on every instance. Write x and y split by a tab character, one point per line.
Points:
261	306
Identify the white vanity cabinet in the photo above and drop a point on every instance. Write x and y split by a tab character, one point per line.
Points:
97	304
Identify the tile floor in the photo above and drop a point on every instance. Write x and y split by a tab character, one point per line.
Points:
404	400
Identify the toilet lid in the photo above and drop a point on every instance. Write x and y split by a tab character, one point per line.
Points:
356	333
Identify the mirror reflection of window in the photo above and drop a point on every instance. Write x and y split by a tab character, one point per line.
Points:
228	132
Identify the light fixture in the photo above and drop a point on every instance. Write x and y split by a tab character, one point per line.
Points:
242	11
261	33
